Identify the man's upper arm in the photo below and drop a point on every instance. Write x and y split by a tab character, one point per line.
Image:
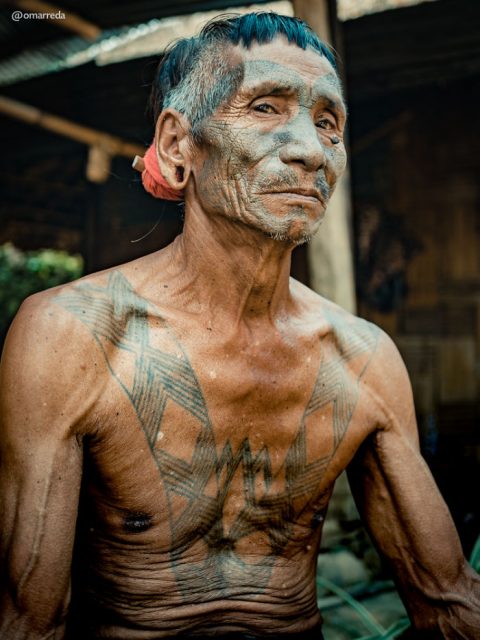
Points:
404	511
40	469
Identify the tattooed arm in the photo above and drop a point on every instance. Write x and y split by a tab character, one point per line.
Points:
407	518
40	403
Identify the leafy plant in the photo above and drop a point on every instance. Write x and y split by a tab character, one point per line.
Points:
24	273
394	631
475	556
378	632
367	618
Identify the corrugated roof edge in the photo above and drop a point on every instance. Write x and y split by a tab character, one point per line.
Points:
115	45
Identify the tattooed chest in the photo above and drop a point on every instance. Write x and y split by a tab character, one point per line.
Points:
224	509
233	476
239	462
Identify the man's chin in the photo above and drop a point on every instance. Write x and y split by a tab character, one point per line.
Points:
297	231
295	240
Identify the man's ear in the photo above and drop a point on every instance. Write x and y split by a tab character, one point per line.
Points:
173	147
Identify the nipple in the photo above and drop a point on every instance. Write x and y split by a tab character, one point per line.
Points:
137	522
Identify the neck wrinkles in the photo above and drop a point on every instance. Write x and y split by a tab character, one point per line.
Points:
233	269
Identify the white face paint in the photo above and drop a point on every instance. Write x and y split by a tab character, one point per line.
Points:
268	156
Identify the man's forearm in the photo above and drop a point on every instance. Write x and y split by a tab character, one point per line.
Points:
451	614
20	625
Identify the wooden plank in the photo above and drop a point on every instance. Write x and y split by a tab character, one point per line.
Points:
330	251
86	135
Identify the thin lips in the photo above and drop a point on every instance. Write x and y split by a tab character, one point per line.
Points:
312	193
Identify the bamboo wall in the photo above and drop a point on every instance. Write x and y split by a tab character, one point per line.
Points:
419	179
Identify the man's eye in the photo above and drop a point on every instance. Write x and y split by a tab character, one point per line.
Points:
264	107
324	123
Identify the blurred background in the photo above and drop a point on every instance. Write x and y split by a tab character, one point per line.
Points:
400	245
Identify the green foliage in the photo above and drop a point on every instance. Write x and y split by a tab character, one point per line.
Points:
366	617
24	273
475	556
394	631
377	631
397	629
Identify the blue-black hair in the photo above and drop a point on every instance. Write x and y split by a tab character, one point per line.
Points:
181	78
262	27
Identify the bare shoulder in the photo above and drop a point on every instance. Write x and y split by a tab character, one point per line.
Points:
50	365
373	355
61	327
350	334
41	326
54	318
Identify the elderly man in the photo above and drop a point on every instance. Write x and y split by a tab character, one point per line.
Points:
198	404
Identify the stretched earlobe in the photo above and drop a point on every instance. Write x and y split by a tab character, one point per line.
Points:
173	148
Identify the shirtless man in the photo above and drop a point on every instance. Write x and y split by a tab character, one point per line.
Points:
204	402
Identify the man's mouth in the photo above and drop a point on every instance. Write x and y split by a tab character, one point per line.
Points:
299	193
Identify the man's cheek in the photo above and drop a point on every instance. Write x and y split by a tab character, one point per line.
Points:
336	161
218	185
211	183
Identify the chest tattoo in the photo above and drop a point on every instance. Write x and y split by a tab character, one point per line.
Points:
118	319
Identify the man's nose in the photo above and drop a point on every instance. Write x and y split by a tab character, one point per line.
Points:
303	145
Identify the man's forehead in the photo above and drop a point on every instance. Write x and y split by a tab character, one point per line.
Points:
276	73
283	64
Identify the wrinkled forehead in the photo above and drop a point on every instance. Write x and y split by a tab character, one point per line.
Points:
275	78
278	67
283	67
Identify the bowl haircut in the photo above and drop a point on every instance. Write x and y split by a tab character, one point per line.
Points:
195	76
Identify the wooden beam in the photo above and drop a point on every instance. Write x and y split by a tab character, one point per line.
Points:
69	21
330	250
112	145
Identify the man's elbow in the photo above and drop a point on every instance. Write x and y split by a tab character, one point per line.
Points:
31	621
453	613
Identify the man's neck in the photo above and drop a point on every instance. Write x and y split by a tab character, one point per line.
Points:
231	269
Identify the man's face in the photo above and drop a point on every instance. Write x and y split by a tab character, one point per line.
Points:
268	156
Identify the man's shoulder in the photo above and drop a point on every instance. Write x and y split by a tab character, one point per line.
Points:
56	324
372	354
350	332
94	299
42	315
357	338
49	362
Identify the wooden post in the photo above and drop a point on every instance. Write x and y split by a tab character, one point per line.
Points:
330	256
98	165
330	253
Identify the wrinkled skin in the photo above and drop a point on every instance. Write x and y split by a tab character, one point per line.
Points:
207	403
275	135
